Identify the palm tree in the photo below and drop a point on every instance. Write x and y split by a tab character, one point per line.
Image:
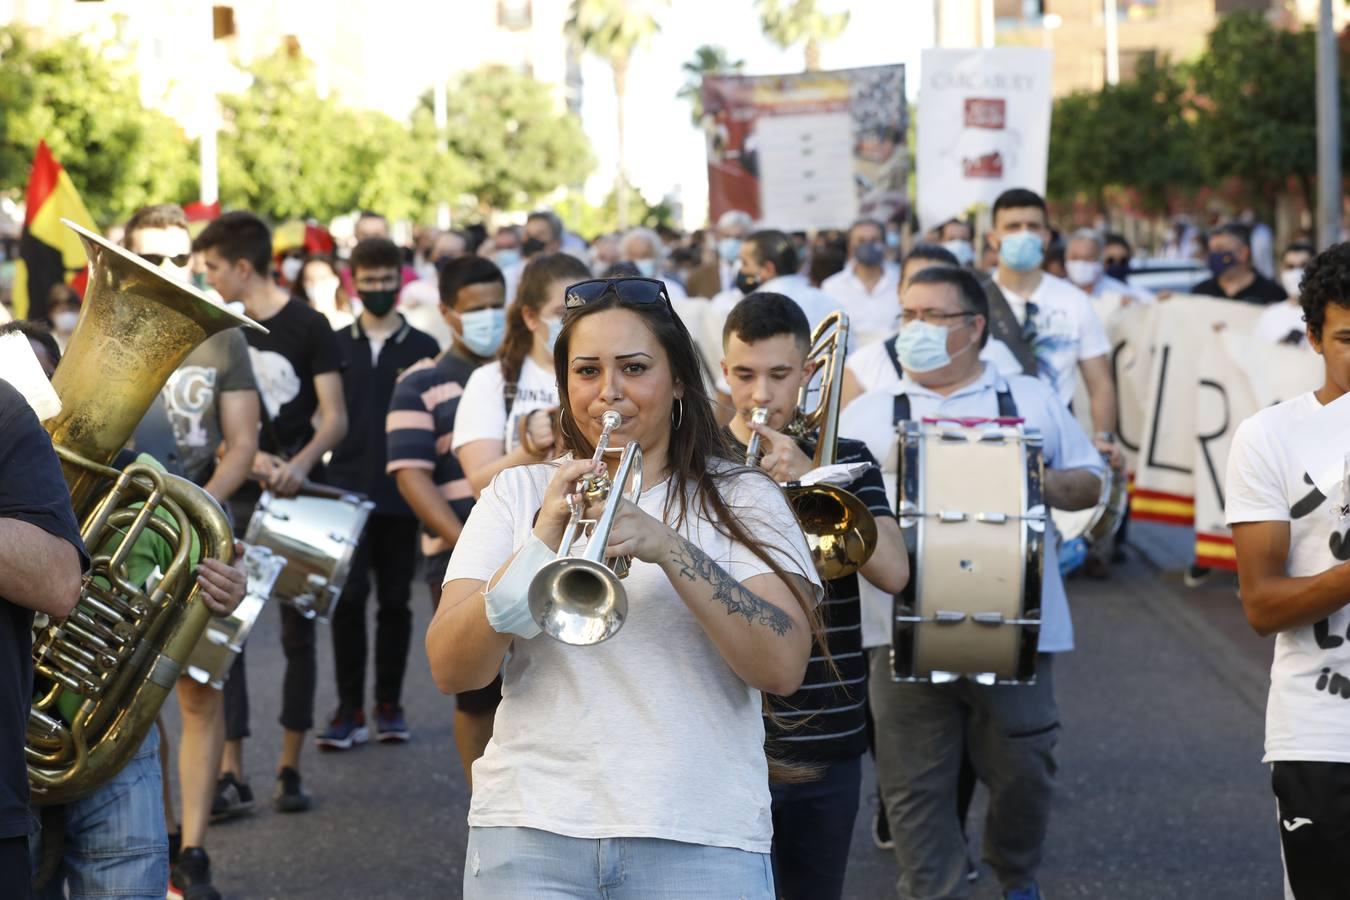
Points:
789	22
612	30
707	60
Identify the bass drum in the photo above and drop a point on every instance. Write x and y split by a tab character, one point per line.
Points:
969	501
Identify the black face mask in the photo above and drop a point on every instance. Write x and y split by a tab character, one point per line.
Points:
531	246
378	302
1118	270
746	283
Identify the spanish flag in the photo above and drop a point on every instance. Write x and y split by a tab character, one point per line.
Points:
49	252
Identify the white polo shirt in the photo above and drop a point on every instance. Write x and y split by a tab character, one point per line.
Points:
1068	331
872	314
1064	444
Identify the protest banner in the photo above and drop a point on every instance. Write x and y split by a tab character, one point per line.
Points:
810	150
984	127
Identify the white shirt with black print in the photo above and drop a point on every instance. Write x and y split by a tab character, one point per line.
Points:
1308	713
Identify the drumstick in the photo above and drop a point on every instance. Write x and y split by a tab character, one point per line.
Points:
314	489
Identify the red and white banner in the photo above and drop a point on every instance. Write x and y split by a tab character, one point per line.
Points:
810	150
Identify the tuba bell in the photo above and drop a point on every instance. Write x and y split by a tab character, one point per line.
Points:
104	671
839	528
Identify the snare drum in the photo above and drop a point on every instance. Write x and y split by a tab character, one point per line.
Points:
1093	525
970	506
224	637
317	537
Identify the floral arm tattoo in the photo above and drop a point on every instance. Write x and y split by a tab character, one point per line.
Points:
694	565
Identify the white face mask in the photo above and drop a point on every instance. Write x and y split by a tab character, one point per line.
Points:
64	322
323	294
1083	272
1290	279
290	268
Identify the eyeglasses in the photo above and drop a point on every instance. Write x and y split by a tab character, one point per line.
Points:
929	317
157	259
637	291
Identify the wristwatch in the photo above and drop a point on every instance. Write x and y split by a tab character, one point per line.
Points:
1106	437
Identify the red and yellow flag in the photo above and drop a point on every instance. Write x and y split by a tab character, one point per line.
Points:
49	252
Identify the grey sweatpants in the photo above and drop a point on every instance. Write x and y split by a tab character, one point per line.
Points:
1011	732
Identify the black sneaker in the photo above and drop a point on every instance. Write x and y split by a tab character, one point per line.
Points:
175	846
347	730
233	798
390	726
290	795
190	879
881	831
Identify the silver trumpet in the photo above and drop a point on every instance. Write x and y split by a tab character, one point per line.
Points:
579	600
759	415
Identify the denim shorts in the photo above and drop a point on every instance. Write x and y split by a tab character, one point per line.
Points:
524	863
115	841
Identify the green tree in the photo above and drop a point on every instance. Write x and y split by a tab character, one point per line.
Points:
613	30
791	22
590	221
1147	114
1253	98
707	60
119	154
287	153
511	141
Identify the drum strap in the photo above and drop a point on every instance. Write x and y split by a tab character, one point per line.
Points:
895	358
1007	407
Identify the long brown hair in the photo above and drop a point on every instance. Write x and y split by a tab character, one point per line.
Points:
540	274
696	447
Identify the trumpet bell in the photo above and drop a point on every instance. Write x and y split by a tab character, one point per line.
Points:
578	601
840	530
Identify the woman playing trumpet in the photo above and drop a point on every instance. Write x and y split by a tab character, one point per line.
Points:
635	766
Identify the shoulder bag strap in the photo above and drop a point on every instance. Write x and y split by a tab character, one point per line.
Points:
1003	325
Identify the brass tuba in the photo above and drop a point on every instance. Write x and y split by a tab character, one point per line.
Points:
104	670
839	528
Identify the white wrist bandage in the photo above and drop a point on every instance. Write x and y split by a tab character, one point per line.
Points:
508	601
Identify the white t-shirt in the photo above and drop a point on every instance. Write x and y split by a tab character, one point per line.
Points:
1065	446
1279	319
871	314
872	366
1306	718
1068	331
482	409
650	734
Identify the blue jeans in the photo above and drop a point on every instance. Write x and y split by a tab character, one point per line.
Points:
525	864
812	829
115	842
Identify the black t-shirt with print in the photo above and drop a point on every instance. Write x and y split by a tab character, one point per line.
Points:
299	345
32	490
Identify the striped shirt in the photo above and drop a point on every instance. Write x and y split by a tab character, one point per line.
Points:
420	427
826	719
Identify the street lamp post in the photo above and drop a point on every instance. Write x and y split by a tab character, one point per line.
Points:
1110	18
1328	131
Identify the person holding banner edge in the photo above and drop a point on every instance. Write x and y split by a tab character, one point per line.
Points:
1290	541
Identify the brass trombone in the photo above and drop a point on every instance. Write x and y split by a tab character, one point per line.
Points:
839	528
579	600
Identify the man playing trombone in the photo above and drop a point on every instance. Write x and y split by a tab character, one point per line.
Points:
766	342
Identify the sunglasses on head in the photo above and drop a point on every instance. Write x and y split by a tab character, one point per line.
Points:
157	259
637	291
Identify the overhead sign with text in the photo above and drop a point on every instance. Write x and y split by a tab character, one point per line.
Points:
806	151
984	127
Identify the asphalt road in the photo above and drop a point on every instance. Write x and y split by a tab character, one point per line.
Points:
1161	793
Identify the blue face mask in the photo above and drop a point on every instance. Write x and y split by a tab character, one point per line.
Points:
1022	251
505	259
554	329
646	267
922	347
482	330
729	249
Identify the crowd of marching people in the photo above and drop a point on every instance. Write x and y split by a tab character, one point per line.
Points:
441	379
